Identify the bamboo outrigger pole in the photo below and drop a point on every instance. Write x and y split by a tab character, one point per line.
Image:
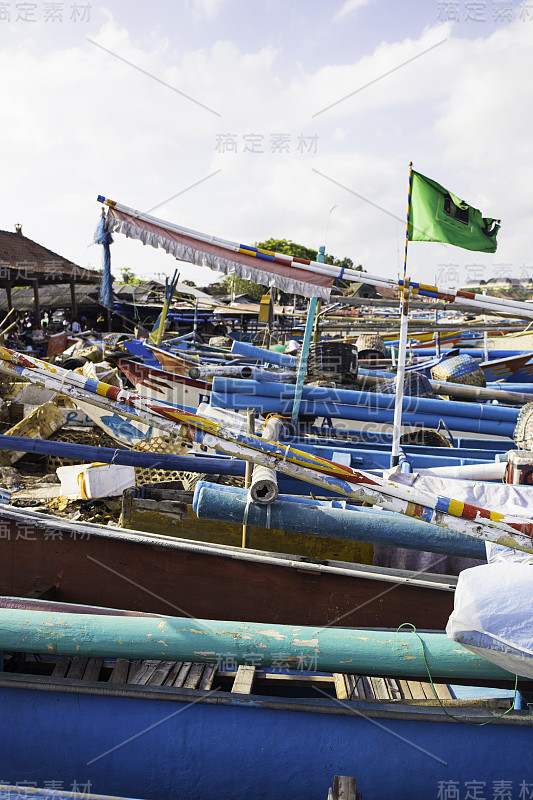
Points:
482	523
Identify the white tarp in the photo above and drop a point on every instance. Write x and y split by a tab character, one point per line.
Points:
493	614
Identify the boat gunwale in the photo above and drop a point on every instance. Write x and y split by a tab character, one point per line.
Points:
340	568
360	709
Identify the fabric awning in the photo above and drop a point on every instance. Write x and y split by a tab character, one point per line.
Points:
271	269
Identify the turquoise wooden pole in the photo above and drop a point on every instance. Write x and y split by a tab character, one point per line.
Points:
363	652
302	361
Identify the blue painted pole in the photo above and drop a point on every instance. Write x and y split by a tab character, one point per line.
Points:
362	652
303	357
375	400
272	405
259	353
212	465
302	515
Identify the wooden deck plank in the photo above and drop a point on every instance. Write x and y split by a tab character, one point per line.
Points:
182	673
208	677
161	673
93	668
169	680
120	671
428	690
193	678
344	788
352	686
380	689
405	690
243	680
394	688
145	672
364	688
77	668
134	666
443	691
340	686
417	692
61	667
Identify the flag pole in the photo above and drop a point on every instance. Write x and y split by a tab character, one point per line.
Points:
402	345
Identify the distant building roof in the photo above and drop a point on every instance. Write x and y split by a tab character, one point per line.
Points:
23	261
51	297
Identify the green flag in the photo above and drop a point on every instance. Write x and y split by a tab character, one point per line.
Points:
439	216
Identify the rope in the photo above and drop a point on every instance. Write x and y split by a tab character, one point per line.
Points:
457	719
246	510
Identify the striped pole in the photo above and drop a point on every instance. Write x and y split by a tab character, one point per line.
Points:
402	350
194	251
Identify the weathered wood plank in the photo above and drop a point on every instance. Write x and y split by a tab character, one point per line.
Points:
61	667
193	678
340	686
120	671
182	673
169	680
77	668
416	689
93	668
405	690
134	666
244	680
206	682
161	673
145	672
352	686
364	688
394	689
443	691
428	690
380	688
344	788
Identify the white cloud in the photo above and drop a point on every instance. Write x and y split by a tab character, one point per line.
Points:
207	9
76	122
348	7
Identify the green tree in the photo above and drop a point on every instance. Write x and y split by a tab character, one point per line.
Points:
289	248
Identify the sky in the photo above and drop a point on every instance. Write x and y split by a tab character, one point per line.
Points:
250	120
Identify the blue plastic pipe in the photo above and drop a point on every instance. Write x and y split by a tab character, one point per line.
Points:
228	504
268	356
349	397
273	405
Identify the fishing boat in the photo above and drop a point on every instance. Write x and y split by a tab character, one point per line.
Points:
225	719
179	389
97	565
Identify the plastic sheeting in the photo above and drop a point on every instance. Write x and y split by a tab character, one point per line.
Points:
493	614
510	499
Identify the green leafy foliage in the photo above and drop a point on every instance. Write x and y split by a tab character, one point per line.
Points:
287	247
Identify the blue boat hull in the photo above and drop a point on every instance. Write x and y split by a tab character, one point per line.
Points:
249	746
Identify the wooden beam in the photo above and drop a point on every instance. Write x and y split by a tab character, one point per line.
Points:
73	298
9	300
36	300
344	788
